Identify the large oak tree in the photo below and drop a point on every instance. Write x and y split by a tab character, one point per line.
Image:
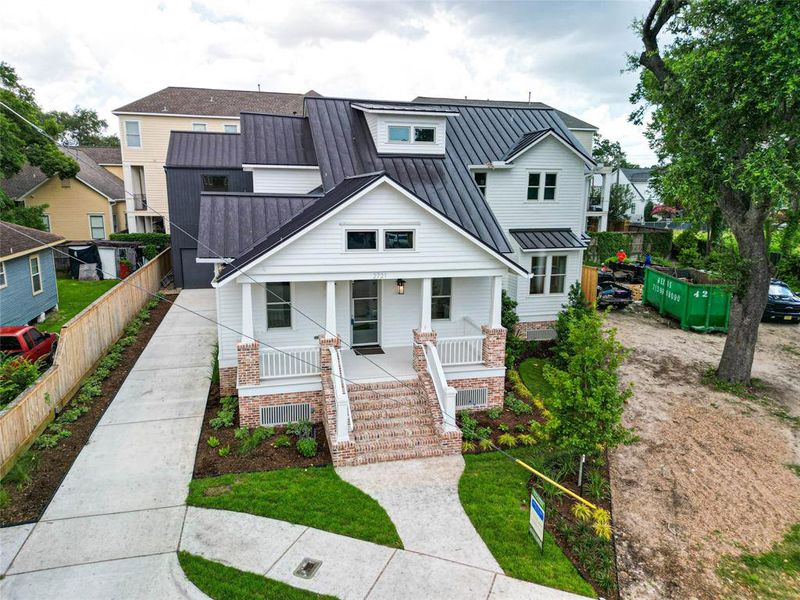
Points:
722	78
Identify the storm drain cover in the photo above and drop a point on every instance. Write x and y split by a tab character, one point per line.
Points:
308	568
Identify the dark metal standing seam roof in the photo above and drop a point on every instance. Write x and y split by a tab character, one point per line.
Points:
276	140
204	149
529	138
481	134
547	239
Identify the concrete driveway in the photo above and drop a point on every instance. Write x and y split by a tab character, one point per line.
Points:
114	525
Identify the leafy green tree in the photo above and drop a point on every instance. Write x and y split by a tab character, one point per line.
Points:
586	403
620	202
82	127
577	305
21	143
648	210
723	94
610	153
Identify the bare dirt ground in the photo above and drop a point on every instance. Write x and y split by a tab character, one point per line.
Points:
708	476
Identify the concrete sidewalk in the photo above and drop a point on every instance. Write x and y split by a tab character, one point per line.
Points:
113	526
350	568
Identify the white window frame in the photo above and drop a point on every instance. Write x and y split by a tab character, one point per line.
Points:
414	134
91	233
226	126
386	230
48	223
482	189
389	139
197	124
4	283
273	301
542	186
38	273
411	127
375	230
548	272
138	130
450	316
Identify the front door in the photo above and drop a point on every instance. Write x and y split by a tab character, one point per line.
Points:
365	312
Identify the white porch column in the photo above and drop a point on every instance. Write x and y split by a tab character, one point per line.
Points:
330	310
496	302
425	320
247	312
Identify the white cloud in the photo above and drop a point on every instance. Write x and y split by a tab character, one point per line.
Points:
568	55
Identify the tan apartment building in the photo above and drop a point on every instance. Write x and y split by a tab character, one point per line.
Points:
145	125
89	206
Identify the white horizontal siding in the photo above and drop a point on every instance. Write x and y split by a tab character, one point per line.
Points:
309	300
545	307
229	315
586	138
276	180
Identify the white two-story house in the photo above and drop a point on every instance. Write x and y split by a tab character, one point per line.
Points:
359	284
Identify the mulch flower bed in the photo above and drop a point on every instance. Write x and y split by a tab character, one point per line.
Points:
47	467
264	457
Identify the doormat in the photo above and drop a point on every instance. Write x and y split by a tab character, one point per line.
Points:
366	350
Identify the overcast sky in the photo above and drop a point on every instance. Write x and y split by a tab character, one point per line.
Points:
566	54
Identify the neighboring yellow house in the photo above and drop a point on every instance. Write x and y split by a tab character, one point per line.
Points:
89	206
145	125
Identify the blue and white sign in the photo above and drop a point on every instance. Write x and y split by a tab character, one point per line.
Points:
536	525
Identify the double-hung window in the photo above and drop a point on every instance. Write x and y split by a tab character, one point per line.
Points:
480	181
97	227
133	137
279	307
538	272
548	274
441	297
558	273
36	275
542	186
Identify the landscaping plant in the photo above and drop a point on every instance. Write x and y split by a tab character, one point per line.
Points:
16	374
307	447
254	439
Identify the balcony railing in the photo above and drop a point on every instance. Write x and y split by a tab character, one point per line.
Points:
140	201
464	350
289	362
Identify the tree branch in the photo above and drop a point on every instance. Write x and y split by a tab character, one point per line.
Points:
660	13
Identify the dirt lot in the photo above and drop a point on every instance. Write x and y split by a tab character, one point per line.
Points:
708	476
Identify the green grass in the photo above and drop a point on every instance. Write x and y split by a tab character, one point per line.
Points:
73	297
532	372
316	497
494	493
226	583
774	574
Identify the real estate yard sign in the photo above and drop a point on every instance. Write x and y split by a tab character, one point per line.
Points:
536	525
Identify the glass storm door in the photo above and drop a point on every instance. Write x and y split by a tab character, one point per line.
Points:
365	312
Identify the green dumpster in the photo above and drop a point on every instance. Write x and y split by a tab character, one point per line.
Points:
700	307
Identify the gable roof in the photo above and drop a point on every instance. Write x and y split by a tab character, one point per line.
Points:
15	240
277	140
637	175
212	102
91	174
204	149
103	155
548	239
570	121
528	140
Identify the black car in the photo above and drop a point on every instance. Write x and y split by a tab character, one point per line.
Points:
782	304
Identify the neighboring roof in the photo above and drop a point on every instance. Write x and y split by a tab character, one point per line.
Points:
90	173
204	149
569	120
548	239
212	102
637	175
15	240
480	135
103	155
231	224
276	140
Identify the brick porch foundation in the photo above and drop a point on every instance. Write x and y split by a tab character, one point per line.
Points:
494	385
250	413
227	381
521	329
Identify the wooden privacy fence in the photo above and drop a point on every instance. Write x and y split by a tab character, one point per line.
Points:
82	342
589	283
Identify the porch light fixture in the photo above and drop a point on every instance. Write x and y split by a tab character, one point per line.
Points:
400	287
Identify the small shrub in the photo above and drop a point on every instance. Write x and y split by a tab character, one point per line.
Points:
215	365
596	484
494	413
467	446
255	439
149	251
526	439
16	374
486	444
241	433
468	425
581	512
503	428
484	432
22	471
517	406
226	414
300	429
507	440
225	450
213	441
282	441
602	530
520	428
307	447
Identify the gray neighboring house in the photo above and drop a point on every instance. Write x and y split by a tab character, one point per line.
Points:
28	287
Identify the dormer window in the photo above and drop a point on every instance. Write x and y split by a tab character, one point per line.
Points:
402	134
425	134
399	133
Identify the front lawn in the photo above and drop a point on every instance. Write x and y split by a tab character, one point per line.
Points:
73	296
221	582
316	497
494	493
532	372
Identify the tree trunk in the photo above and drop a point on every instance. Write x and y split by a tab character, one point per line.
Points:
750	299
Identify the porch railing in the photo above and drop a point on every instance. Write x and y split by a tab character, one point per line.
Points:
344	418
444	393
289	362
464	350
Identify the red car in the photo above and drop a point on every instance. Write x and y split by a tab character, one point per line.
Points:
27	342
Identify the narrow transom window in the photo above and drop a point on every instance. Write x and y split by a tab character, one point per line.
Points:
215	183
480	181
425	134
36	275
441	296
550	186
538	273
133	138
230	128
558	274
97	227
399	133
279	308
198	126
533	186
362	240
398	240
